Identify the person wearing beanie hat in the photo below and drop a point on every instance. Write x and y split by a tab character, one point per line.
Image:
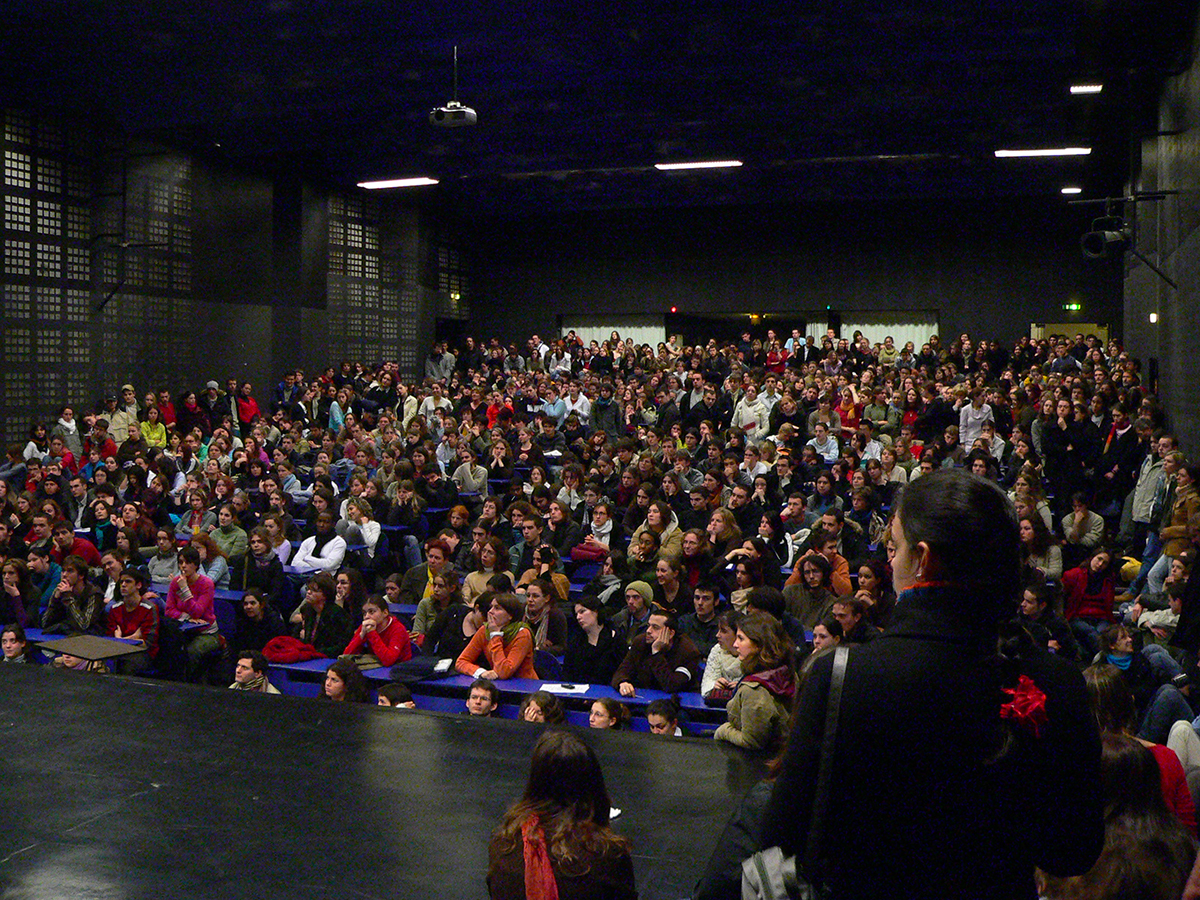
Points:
505	643
633	619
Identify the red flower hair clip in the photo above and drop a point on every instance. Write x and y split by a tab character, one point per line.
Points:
1027	706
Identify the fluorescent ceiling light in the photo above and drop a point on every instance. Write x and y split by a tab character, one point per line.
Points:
397	183
1053	151
1086	88
1072	190
711	164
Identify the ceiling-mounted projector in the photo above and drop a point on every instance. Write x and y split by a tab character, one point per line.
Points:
452	115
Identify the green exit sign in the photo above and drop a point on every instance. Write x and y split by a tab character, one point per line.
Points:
1072	307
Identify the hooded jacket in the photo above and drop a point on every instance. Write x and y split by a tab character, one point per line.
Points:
759	710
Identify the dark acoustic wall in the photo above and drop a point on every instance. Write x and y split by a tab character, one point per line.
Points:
1168	233
990	270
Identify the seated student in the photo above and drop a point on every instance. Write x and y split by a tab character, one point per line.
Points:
545	566
663	718
493	560
483	697
505	644
1147	851
824	543
190	598
723	669
1088	592
229	535
380	635
544	618
1083	530
852	613
323	624
594	649
13	644
541	706
827	633
633	619
701	623
250	673
395	696
457	623
344	683
1048	628
1113	708
761	706
135	618
67	543
18	597
417	584
608	713
164	564
324	551
556	841
661	659
257	623
213	562
260	568
44	574
769	600
1148	674
75	607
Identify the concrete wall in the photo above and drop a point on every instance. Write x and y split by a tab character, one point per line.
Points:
1168	233
990	270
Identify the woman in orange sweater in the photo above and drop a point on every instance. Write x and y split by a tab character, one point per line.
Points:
506	644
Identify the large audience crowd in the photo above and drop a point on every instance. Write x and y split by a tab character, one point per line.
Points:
701	519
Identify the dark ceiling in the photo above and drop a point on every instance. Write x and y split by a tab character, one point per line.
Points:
576	101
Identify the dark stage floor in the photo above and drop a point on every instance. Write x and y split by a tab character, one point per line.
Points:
115	788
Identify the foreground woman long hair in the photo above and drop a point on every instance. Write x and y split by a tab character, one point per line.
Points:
555	840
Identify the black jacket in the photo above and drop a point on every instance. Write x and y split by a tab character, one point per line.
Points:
915	809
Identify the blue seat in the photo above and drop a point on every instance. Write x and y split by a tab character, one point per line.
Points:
547	665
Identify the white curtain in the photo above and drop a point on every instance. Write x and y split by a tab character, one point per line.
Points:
643	329
915	326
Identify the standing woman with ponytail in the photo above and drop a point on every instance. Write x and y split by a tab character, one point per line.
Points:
555	841
992	761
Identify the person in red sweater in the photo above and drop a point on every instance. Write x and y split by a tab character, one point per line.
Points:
380	634
134	618
505	643
67	544
247	408
1088	592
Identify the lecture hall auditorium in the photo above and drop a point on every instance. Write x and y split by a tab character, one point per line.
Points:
752	435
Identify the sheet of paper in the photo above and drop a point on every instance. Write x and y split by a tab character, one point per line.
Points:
565	688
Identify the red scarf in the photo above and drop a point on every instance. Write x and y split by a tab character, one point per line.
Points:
539	876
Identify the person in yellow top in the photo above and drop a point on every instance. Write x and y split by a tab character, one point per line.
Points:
153	430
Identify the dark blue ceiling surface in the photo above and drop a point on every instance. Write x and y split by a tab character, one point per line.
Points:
576	100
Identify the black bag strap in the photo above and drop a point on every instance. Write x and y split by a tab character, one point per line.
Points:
816	826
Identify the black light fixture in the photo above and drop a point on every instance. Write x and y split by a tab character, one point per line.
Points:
1110	235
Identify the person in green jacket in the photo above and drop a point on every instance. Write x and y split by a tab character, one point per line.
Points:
759	710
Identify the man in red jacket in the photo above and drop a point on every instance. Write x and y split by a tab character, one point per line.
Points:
380	634
66	543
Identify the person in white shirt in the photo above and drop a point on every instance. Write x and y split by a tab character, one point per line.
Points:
751	416
324	551
971	418
435	400
579	404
